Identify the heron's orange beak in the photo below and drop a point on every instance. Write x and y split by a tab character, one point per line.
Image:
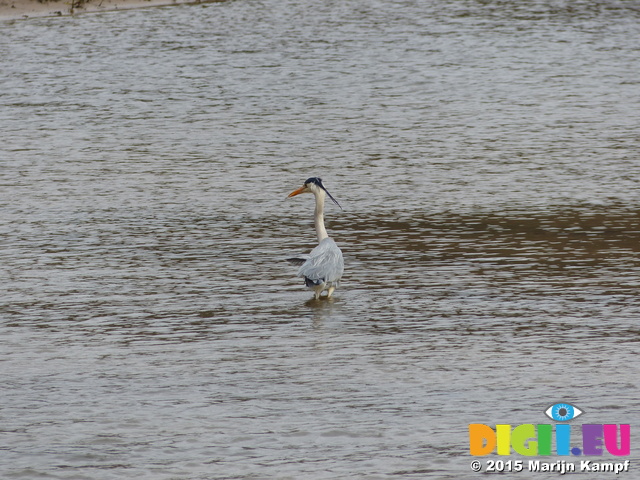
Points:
296	192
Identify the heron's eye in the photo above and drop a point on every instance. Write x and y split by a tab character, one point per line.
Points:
562	412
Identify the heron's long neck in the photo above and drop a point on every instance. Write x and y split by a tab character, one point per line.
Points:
321	231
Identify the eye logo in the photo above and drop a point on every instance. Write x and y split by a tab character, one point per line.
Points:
563	412
570	440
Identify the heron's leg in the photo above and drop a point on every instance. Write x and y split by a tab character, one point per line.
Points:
318	290
331	289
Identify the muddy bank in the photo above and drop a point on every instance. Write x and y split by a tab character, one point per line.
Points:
16	9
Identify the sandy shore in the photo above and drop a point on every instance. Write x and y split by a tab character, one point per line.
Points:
17	9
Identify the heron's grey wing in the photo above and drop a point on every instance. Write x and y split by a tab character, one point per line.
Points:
325	263
299	260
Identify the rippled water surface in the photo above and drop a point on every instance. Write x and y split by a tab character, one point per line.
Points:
485	154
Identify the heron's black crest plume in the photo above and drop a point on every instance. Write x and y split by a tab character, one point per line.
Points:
315	180
318	181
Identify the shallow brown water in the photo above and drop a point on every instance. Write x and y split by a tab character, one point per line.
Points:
485	154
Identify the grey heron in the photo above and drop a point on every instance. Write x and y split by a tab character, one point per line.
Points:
323	267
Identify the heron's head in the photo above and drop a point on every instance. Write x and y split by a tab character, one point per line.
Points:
314	185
